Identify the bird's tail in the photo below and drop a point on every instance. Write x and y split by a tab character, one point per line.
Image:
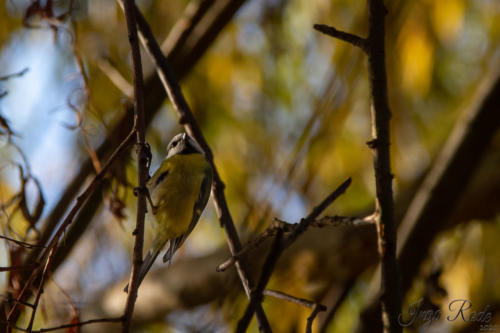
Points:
173	245
146	265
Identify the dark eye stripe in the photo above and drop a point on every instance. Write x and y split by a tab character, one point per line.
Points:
161	177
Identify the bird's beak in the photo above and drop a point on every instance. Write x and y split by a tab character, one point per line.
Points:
183	136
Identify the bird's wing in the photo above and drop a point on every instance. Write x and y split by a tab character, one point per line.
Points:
199	205
158	176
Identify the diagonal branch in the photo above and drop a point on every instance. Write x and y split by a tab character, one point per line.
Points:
73	325
316	307
142	162
310	320
345	36
289	298
279	245
20	243
286	227
40	290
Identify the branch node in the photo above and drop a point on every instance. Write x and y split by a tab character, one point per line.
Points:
183	120
352	39
372	144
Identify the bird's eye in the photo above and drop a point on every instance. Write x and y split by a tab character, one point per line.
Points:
174	143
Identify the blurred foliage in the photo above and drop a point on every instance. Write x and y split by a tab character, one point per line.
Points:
285	109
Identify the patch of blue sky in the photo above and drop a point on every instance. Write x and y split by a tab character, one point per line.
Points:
318	66
36	105
288	204
251	38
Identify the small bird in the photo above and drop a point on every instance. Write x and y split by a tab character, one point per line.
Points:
178	193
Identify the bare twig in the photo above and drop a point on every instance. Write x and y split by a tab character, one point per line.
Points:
374	46
288	227
78	324
345	36
40	290
142	163
9	298
310	320
256	294
16	268
380	144
86	91
13	75
289	298
20	243
304	223
316	307
279	245
337	302
183	29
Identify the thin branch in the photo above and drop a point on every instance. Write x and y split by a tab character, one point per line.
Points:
288	227
374	46
187	119
380	144
19	299
195	11
440	202
78	324
40	290
289	298
20	243
304	223
256	295
344	36
10	299
279	245
310	320
142	163
13	75
17	268
204	34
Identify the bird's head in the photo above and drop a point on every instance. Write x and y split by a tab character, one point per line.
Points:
182	144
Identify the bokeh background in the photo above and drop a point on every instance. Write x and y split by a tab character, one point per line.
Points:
286	111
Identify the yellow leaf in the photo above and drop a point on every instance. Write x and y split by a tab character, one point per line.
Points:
417	58
447	19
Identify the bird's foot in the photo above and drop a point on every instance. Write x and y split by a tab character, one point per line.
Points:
145	191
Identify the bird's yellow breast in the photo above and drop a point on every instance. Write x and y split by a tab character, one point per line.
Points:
175	194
